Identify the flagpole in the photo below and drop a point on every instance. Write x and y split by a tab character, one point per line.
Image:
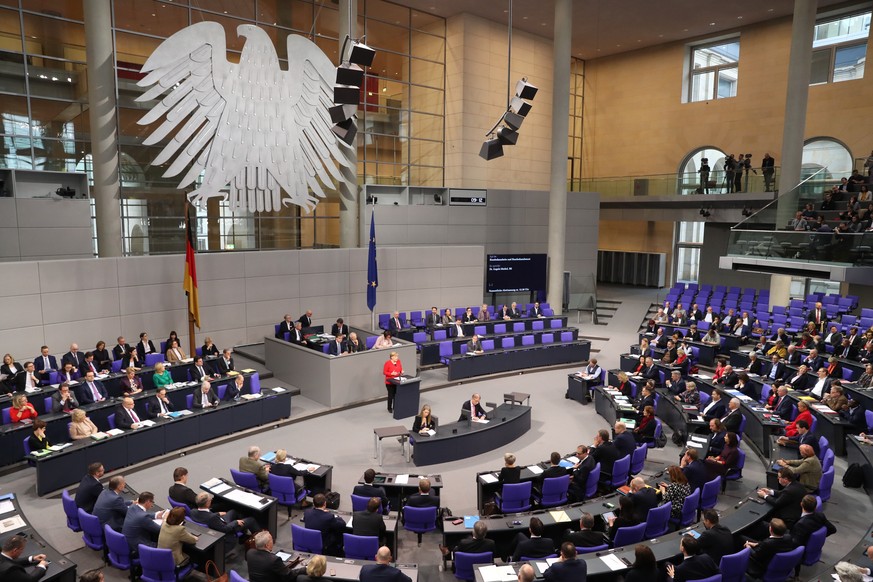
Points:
191	343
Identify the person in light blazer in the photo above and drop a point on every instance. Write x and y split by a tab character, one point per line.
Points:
81	426
175	353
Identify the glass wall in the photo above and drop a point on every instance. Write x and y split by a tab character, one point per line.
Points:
577	98
45	122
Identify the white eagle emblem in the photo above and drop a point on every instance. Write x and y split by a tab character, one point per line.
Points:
251	128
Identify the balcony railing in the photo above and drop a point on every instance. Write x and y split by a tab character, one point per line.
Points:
671	184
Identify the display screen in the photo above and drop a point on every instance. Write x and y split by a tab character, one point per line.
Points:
514	273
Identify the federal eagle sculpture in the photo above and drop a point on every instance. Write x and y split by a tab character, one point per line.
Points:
252	129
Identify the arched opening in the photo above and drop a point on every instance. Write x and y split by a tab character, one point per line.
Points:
828	154
689	172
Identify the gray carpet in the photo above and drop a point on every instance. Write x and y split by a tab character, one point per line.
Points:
344	439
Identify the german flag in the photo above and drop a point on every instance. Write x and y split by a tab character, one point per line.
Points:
189	283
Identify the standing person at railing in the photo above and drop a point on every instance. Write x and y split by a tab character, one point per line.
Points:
768	169
704	176
730	167
738	173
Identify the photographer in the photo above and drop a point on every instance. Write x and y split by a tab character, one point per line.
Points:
704	176
730	168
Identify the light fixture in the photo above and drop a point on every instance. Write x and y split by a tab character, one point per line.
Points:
347	90
491	148
346	130
705	213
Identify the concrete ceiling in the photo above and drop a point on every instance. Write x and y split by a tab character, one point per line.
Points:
606	27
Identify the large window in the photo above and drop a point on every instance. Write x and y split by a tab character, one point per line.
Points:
689	241
840	49
577	97
714	70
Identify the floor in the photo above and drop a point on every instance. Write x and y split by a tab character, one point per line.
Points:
344	438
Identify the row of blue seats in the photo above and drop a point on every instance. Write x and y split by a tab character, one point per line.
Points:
417	318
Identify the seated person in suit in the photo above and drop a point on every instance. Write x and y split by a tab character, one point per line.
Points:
263	564
337	346
110	507
821	385
43	364
285	326
64	400
448	318
159	405
92	390
228	523
206	397
354	345
173	534
799	380
81	426
75	357
457	329
395	325
624	440
91	364
175	353
472	409
330	525
10	369
383	341
296	335
643	497
179	490
474	346
225	362
733	418
382	570
424	421
468	316
283	469
477	544
126	417
15	567
339	328
581	470
690	395
554	469
781	403
535	546
646	397
37	441
836	399
694	469
433	319
423	497
807	469
604	453
645	430
144	347
568	568
120	349
90	488
22	409
370	490
717	433
715	408
131	384
131	360
625	516
505	314
536	310
763	551
810	521
509	473
726	460
586	537
162	376
27	380
716	540
484	314
139	523
199	371
306	319
209	348
67	373
251	464
514	311
369	522
694	566
235	389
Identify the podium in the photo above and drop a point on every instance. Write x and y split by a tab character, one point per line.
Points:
406	398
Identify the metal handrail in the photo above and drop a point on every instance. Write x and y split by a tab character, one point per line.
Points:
776	200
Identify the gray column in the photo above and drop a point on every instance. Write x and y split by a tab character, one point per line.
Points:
560	131
104	127
348	187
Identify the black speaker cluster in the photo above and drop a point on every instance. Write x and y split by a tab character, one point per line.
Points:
505	131
347	90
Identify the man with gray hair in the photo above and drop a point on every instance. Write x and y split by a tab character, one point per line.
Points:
250	464
474	545
206	398
264	565
734	417
586	537
526	573
624	441
227	523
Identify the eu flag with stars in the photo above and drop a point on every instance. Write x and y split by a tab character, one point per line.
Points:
372	272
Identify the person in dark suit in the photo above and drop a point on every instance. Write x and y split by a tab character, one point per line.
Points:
14	567
75	357
423	498
306	319
847	350
715	540
536	310
354	345
782	405
395	325
263	564
726	460
235	388
131	383
580	472
645	430
205	398
536	546
111	508
716	436
145	346
199	371
624	440
120	348
10	368
367	489
818	316
586	537
803	437
755	365
472	405
810	522
799	380
224	364
644	568
339	328
763	551
554	469
715	408
568	569
330	525
476	544
434	319
729	378
786	501
694	469
282	469
92	390
285	326
777	370
90	488
644	498
732	419
338	346
369	522
227	523
468	316
514	312
209	348
64	400
624	517
647	398
126	417
179	490
604	453
650	372
296	336
382	570
158	405
43	364
694	566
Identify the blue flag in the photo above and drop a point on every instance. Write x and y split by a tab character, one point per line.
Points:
372	272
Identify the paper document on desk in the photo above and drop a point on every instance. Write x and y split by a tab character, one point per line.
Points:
349	522
305	467
559	516
487	477
566	463
535	469
695	444
32	390
482	421
703	376
278	389
6	506
212	483
613	562
403	479
114	432
498	574
221	488
11	523
147	423
247	499
59	447
573	459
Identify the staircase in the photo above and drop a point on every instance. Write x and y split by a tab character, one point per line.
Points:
605	310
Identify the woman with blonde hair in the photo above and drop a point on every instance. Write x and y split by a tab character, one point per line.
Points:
81	427
509	473
161	376
22	409
209	348
315	569
424	421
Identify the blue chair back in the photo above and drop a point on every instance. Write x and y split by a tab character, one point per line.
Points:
116	366
782	565
189	401
5	415
370	341
383	320
527	340
488	345
439	334
360	547
868	416
814	545
247	480
92	531
689	509
499	328
152	359
26	445
591	549
537	325
824	486
638	459
735	473
620	471
158	565
446	350
464	563
174	503
709	495
420	519
555	324
591	483
359	503
419	337
71	510
117	549
255	383
221	391
234	577
626	536
555	491
515	497
658	431
285	490
111	420
548	338
306	540
733	566
657	521
47	404
507	342
827	460
566	336
518	327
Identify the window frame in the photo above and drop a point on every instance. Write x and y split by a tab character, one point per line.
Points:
714	70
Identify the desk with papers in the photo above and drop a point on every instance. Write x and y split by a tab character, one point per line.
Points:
14	522
488	483
318	477
612	405
830	424
685	418
518	358
344	569
248	503
399	486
